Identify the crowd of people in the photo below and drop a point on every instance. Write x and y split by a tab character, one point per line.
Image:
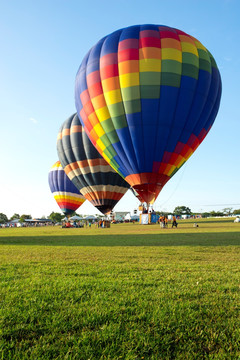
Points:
87	224
163	221
25	224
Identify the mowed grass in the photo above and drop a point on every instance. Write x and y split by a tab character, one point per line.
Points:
128	292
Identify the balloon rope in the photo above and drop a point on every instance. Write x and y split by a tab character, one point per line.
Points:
179	181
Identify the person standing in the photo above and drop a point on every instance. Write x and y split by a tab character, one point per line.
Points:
161	220
174	222
165	221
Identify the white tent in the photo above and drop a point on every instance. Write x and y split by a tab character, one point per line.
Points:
76	217
91	217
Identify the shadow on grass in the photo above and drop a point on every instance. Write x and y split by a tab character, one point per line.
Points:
200	221
188	239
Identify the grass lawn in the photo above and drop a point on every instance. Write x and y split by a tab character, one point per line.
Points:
128	292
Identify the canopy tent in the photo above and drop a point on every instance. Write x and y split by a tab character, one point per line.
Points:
91	217
76	217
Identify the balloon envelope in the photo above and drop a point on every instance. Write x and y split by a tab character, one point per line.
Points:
147	96
136	194
87	169
64	191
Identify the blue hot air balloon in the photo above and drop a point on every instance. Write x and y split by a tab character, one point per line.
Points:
147	96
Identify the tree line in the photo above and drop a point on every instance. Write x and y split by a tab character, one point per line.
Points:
54	216
184	210
179	210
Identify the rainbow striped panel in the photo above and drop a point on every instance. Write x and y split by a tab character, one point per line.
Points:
87	169
64	191
147	96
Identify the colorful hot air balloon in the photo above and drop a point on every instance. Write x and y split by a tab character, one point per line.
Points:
147	96
87	169
64	191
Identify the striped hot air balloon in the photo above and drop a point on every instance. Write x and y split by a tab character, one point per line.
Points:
147	96
64	191
87	169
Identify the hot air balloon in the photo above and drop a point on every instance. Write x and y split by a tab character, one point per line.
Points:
64	191
87	169
147	96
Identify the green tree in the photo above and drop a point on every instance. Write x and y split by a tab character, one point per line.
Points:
216	213
163	213
236	212
56	217
182	210
3	218
24	217
227	211
15	216
206	214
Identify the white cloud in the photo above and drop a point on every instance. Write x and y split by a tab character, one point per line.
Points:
34	121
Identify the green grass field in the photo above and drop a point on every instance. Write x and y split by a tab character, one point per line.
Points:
128	292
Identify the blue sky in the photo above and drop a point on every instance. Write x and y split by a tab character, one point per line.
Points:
42	46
